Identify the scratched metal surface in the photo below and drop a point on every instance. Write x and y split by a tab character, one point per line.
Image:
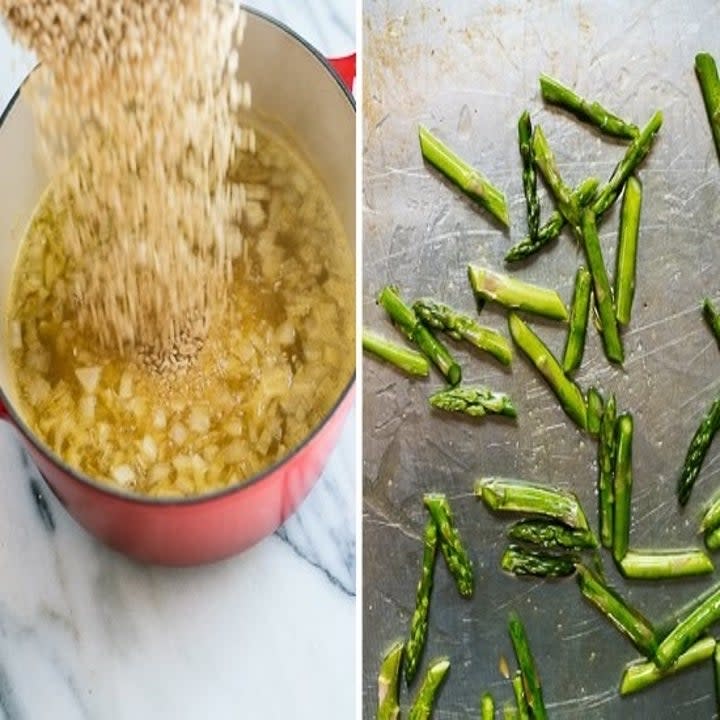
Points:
467	70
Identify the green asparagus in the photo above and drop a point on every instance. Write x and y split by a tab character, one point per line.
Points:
595	409
525	561
665	564
408	360
389	684
707	75
422	706
526	663
552	535
579	313
505	495
406	319
711	518
476	401
665	627
623	486
462	327
606	473
520	699
568	393
451	545
712	539
467	178
515	294
592	112
601	287
699	445
510	712
626	619
716	673
419	622
626	260
487	707
529	176
712	318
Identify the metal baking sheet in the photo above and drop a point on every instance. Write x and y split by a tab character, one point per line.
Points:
467	70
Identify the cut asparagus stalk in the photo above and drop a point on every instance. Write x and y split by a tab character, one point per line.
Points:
623	486
567	392
520	699
579	313
529	177
515	294
640	674
389	684
510	712
422	707
626	619
699	445
671	622
525	561
595	409
552	535
487	707
462	327
467	178
407	360
405	318
506	495
591	112
526	663
627	250
419	622
712	318
606	474
711	518
476	401
601	287
665	564
451	545
707	75
634	155
712	539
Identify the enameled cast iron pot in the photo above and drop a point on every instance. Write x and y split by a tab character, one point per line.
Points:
292	83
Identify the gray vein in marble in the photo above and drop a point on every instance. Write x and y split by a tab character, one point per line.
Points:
8	704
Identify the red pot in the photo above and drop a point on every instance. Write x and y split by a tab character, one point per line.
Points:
292	83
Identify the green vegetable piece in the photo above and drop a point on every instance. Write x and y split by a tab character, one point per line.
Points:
419	622
707	75
552	535
665	564
510	712
537	563
606	474
487	707
529	177
711	518
668	625
503	494
462	327
406	319
567	392
467	178
579	313
716	673
626	619
451	545
639	674
712	539
422	707
407	360
623	486
627	250
520	699
712	318
476	401
389	684
526	663
595	409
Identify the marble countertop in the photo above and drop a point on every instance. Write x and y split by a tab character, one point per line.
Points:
86	633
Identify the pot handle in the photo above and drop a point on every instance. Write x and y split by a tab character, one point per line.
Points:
345	68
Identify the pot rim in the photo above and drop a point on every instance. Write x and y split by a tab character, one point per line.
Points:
255	479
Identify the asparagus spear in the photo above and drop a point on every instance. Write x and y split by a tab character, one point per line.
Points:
419	622
422	707
533	689
665	564
601	286
462	327
568	393
623	486
639	675
469	180
668	624
634	155
510	712
712	539
595	409
627	249
520	699
487	707
552	535
579	313
697	450
583	194
502	494
712	318
528	175
406	319
451	545
626	619
389	683
606	474
476	401
592	112
515	294
707	75
408	360
711	518
524	561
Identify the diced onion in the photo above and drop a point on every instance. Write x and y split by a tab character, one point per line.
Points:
159	473
159	419
87	407
149	448
125	388
178	433
234	452
123	475
89	377
199	420
16	335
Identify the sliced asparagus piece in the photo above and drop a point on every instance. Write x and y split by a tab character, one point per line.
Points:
462	327
476	401
487	707
707	75
529	176
567	392
510	712
579	313
552	535
670	623
712	318
606	474
592	112
525	561
712	539
622	490
520	699
389	684
665	564
407	360
467	178
711	518
422	707
595	409
627	249
526	663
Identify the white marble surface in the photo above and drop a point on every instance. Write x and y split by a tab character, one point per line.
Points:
86	633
